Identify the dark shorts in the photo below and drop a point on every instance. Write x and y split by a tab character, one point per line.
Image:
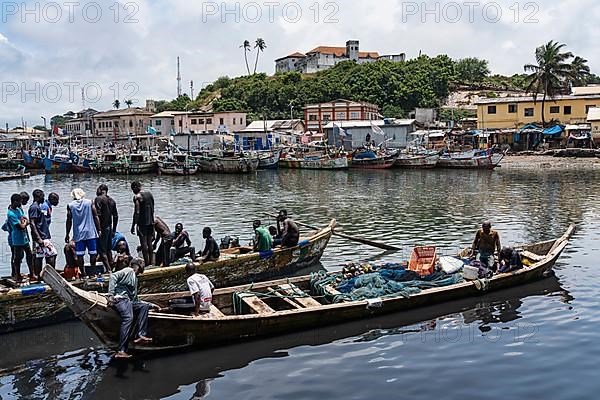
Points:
145	230
105	241
90	245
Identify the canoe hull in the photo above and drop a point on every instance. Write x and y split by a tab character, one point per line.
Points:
176	169
171	332
57	167
227	165
136	168
327	164
32	162
34	307
471	163
417	162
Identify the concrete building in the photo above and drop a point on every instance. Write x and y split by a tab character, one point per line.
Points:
123	122
396	132
164	122
81	123
262	135
324	57
516	112
593	119
316	116
201	122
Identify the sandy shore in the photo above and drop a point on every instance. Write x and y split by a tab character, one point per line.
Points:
549	162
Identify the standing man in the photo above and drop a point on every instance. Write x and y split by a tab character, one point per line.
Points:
487	242
123	297
290	234
182	244
109	219
143	219
263	241
83	218
17	228
48	205
40	233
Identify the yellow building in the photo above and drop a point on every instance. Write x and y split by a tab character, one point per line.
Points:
516	112
594	120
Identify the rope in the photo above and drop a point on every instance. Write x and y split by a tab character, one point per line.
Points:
96	295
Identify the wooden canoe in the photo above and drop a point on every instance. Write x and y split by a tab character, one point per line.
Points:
13	177
38	305
277	315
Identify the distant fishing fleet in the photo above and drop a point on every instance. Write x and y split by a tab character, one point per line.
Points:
175	161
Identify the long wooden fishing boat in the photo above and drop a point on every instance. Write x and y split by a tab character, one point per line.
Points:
181	165
277	307
270	160
234	164
12	177
372	160
136	164
38	305
417	161
32	161
328	163
105	163
58	164
470	160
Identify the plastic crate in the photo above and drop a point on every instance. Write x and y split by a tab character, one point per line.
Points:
422	260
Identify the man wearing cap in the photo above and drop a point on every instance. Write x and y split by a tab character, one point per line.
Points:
487	242
83	218
263	241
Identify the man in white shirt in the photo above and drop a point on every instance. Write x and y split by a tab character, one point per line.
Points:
201	289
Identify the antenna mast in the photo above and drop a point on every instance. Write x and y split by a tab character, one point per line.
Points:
192	89
178	79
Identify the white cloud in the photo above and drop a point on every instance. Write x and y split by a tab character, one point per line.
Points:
112	54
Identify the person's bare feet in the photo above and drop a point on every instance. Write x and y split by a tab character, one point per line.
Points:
122	355
143	340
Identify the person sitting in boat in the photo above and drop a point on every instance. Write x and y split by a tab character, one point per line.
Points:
275	236
164	235
123	298
487	242
20	169
182	244
509	260
290	234
211	250
201	289
123	257
263	241
71	271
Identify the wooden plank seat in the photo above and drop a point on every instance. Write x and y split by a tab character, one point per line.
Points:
256	305
292	290
284	298
331	290
531	256
215	311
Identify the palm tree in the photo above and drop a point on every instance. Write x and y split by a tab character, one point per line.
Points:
260	46
117	104
550	73
247	48
580	72
128	103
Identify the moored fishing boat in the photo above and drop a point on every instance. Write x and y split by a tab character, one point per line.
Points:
475	159
32	161
136	164
289	305
322	162
269	160
106	163
227	164
58	164
372	160
416	161
12	177
180	164
38	305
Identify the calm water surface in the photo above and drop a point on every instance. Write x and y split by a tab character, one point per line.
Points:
535	340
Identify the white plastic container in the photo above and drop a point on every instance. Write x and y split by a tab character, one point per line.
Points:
451	265
470	273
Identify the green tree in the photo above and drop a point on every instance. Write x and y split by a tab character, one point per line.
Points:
392	111
472	70
247	48
260	47
549	74
580	72
117	104
128	103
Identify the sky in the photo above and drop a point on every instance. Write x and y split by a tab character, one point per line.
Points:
50	51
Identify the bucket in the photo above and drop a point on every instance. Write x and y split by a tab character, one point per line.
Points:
470	273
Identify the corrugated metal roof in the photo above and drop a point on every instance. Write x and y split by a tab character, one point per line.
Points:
366	124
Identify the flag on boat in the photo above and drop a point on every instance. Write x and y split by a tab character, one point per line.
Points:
378	133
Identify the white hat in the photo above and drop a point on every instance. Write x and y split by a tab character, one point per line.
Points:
77	194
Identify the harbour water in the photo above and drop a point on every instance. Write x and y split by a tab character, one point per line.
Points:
535	340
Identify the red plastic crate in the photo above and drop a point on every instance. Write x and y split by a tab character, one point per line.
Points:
422	260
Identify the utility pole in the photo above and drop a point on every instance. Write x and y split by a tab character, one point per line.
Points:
192	90
178	79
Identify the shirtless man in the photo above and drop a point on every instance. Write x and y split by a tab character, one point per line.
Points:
164	235
290	234
143	220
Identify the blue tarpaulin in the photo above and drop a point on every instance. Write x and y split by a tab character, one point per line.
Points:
556	131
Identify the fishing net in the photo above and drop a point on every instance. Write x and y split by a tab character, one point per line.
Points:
380	282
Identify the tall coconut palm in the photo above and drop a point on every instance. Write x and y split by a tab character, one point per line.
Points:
128	103
260	46
580	71
550	73
117	104
246	46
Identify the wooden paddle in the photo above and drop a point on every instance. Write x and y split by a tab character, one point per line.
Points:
368	242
